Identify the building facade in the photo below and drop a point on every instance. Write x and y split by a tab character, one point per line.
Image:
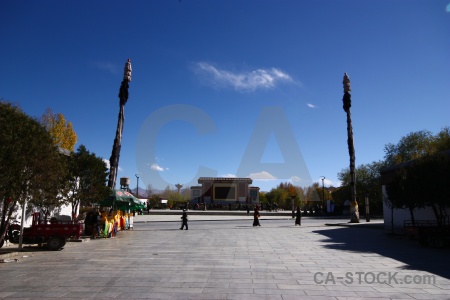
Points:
225	190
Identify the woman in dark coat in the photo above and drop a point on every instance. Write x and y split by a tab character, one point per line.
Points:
298	217
184	220
256	217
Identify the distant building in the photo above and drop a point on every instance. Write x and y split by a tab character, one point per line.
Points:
196	194
225	190
253	194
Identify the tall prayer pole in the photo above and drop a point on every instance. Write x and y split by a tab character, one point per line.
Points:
351	149
123	96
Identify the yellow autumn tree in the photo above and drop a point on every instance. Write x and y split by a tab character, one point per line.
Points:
61	130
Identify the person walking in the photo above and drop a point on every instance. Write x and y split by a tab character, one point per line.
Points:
256	217
298	217
184	220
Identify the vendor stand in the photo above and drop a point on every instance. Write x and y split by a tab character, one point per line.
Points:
122	205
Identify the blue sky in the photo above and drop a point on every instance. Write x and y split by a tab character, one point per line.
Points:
231	88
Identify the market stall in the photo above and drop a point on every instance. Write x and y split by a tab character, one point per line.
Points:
118	212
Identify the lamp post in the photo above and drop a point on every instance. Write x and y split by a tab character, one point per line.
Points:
351	149
115	154
323	190
137	185
293	206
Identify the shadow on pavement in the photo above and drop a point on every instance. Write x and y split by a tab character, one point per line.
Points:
416	257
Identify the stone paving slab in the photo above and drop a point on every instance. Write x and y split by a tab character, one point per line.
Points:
230	259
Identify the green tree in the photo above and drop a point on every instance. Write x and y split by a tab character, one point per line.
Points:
423	178
311	195
411	146
86	179
167	192
176	197
283	193
323	193
441	141
153	200
300	199
401	191
28	161
368	184
433	183
186	193
262	197
61	130
423	182
149	190
50	195
277	196
340	195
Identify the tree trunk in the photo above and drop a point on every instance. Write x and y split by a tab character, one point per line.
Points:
436	214
6	216
392	218
114	160
411	212
75	206
351	151
444	215
115	155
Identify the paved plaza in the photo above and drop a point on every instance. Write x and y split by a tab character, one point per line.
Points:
225	257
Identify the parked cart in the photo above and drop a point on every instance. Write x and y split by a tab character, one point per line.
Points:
53	233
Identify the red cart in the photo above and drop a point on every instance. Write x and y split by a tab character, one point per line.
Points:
53	233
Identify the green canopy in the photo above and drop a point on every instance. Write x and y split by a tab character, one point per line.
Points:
122	200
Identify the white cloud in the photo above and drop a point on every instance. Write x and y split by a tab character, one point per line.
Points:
107	66
326	182
106	161
262	176
296	179
310	105
108	165
228	176
243	81
156	167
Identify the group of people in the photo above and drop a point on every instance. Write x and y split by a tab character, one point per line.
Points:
101	224
298	217
256	215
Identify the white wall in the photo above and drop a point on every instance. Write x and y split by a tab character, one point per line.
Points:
64	210
400	215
